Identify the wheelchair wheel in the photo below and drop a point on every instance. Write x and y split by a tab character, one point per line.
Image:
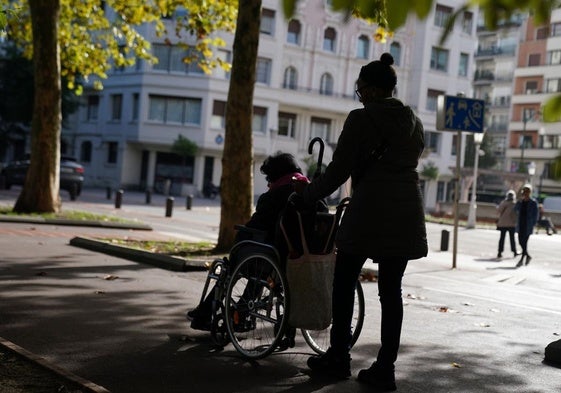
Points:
318	340
256	306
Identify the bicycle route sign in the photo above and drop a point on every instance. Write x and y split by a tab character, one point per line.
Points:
455	113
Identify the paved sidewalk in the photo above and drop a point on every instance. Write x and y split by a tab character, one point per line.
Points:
481	327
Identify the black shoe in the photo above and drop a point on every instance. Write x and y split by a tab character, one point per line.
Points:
381	380
528	259
515	254
329	364
521	261
500	255
201	324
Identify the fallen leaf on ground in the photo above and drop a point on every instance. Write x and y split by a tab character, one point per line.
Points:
456	365
110	277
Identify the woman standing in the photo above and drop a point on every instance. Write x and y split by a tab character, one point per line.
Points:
379	148
507	222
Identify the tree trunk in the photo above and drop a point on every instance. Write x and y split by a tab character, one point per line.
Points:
40	192
236	185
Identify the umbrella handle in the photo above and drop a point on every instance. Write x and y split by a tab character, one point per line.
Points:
320	157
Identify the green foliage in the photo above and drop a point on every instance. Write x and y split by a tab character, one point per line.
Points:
429	171
92	41
556	168
184	147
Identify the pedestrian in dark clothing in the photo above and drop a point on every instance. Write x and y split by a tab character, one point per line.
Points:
527	210
507	222
545	222
379	148
280	170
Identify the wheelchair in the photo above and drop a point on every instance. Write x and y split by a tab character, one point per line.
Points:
251	302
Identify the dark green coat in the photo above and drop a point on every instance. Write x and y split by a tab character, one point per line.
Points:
385	217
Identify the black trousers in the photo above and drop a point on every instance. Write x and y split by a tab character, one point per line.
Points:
390	274
523	238
504	231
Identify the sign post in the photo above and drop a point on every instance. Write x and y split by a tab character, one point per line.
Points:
459	114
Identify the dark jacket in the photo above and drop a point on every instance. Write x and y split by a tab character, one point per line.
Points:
385	217
531	215
269	206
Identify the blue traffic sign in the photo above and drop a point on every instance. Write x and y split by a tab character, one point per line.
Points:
456	113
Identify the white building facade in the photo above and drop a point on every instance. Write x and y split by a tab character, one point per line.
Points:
306	73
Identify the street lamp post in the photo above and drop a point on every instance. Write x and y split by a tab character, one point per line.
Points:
477	139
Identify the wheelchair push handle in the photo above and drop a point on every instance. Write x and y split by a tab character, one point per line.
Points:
320	156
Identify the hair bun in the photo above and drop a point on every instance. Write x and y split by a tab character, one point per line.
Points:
386	58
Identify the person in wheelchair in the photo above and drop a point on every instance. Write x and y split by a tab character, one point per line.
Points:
280	170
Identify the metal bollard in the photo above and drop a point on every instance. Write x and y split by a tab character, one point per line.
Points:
118	199
148	197
108	190
444	240
169	206
189	202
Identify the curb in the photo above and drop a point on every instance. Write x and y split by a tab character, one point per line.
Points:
166	262
86	385
81	223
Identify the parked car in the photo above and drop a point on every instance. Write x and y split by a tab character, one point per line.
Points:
71	175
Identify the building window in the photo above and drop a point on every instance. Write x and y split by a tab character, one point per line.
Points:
171	58
329	36
320	127
432	141
363	47
554	57
290	80
259	123
112	150
326	85
553	85
263	71
177	110
534	60
135	106
556	29
454	144
531	87
224	57
293	33
287	124
432	99
395	51
218	119
467	22
116	106
440	191
542	33
464	63
439	59
93	108
442	15
86	151
267	22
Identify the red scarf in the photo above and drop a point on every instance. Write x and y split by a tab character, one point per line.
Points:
288	179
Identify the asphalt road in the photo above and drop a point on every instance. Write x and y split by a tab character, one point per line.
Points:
481	327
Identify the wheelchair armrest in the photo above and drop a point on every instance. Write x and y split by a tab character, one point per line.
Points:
256	234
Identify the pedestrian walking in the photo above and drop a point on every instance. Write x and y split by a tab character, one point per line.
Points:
507	222
527	211
545	222
379	148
